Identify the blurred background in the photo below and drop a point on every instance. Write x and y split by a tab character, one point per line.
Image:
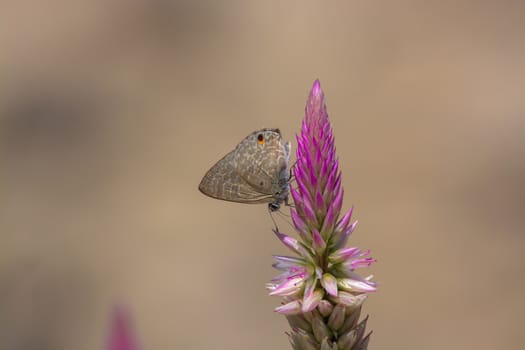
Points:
112	111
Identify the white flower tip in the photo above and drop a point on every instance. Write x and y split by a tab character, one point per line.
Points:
291	308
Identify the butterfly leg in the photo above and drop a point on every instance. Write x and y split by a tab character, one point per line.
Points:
271	208
291	176
288	204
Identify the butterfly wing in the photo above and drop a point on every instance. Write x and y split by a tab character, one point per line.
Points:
223	181
264	166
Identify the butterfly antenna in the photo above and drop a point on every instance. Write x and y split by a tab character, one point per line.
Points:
286	218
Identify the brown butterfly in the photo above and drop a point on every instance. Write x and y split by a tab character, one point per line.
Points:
256	171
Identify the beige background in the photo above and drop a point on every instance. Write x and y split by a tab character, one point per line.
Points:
111	112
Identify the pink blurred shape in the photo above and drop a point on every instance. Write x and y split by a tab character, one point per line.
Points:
122	336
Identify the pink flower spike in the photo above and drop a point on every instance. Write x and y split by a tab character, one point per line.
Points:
322	293
121	335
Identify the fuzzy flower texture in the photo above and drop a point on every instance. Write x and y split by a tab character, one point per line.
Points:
322	292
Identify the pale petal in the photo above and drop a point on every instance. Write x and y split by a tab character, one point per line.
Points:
292	308
311	302
290	287
329	283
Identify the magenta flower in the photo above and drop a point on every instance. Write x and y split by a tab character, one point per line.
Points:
121	335
322	292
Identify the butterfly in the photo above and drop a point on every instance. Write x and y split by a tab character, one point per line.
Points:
256	171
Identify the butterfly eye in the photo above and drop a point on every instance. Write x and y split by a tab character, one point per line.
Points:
260	139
